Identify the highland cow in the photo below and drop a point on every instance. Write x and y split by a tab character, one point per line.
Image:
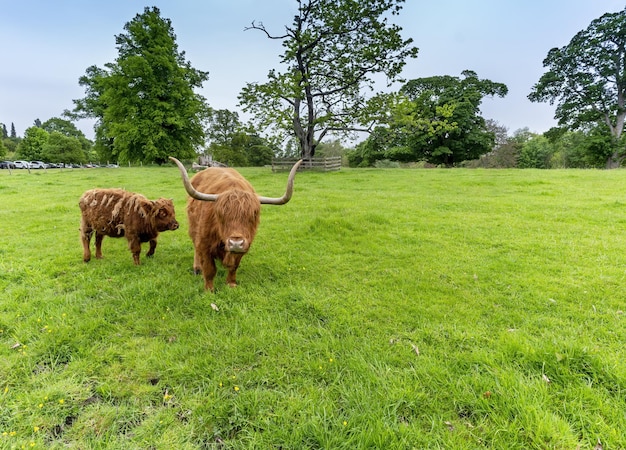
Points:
223	212
117	213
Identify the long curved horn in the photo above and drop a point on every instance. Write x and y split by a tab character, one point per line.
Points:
213	197
189	188
287	196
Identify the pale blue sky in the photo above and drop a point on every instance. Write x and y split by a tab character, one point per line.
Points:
47	45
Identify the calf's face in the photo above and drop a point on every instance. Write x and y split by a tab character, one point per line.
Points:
164	215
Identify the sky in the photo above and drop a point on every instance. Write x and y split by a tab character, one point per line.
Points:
48	45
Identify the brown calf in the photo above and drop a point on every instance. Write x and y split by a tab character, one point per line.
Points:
117	213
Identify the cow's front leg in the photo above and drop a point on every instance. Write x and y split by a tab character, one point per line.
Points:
209	270
134	244
231	262
200	252
99	238
153	244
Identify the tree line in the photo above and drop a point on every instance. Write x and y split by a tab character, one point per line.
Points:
55	140
146	106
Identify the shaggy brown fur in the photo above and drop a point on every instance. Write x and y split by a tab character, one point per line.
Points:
117	213
224	229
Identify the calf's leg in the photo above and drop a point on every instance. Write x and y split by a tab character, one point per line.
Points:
99	238
85	236
134	244
153	244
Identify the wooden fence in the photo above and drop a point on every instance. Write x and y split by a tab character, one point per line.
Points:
326	164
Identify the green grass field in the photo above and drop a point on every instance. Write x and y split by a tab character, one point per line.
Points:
387	309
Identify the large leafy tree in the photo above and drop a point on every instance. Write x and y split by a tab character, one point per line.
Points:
435	119
222	126
62	148
470	137
3	135
332	51
587	80
144	102
233	143
31	147
69	130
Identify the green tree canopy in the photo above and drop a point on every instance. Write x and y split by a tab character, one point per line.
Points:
31	147
332	50
65	127
144	102
435	119
222	126
68	129
470	136
3	136
62	148
536	153
234	144
587	80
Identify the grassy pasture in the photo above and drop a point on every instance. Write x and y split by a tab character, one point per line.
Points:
379	309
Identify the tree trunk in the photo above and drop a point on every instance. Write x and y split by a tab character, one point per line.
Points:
614	161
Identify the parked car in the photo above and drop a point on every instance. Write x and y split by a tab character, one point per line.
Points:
38	165
22	164
7	165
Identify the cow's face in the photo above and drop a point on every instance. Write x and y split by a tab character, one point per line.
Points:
237	214
164	216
